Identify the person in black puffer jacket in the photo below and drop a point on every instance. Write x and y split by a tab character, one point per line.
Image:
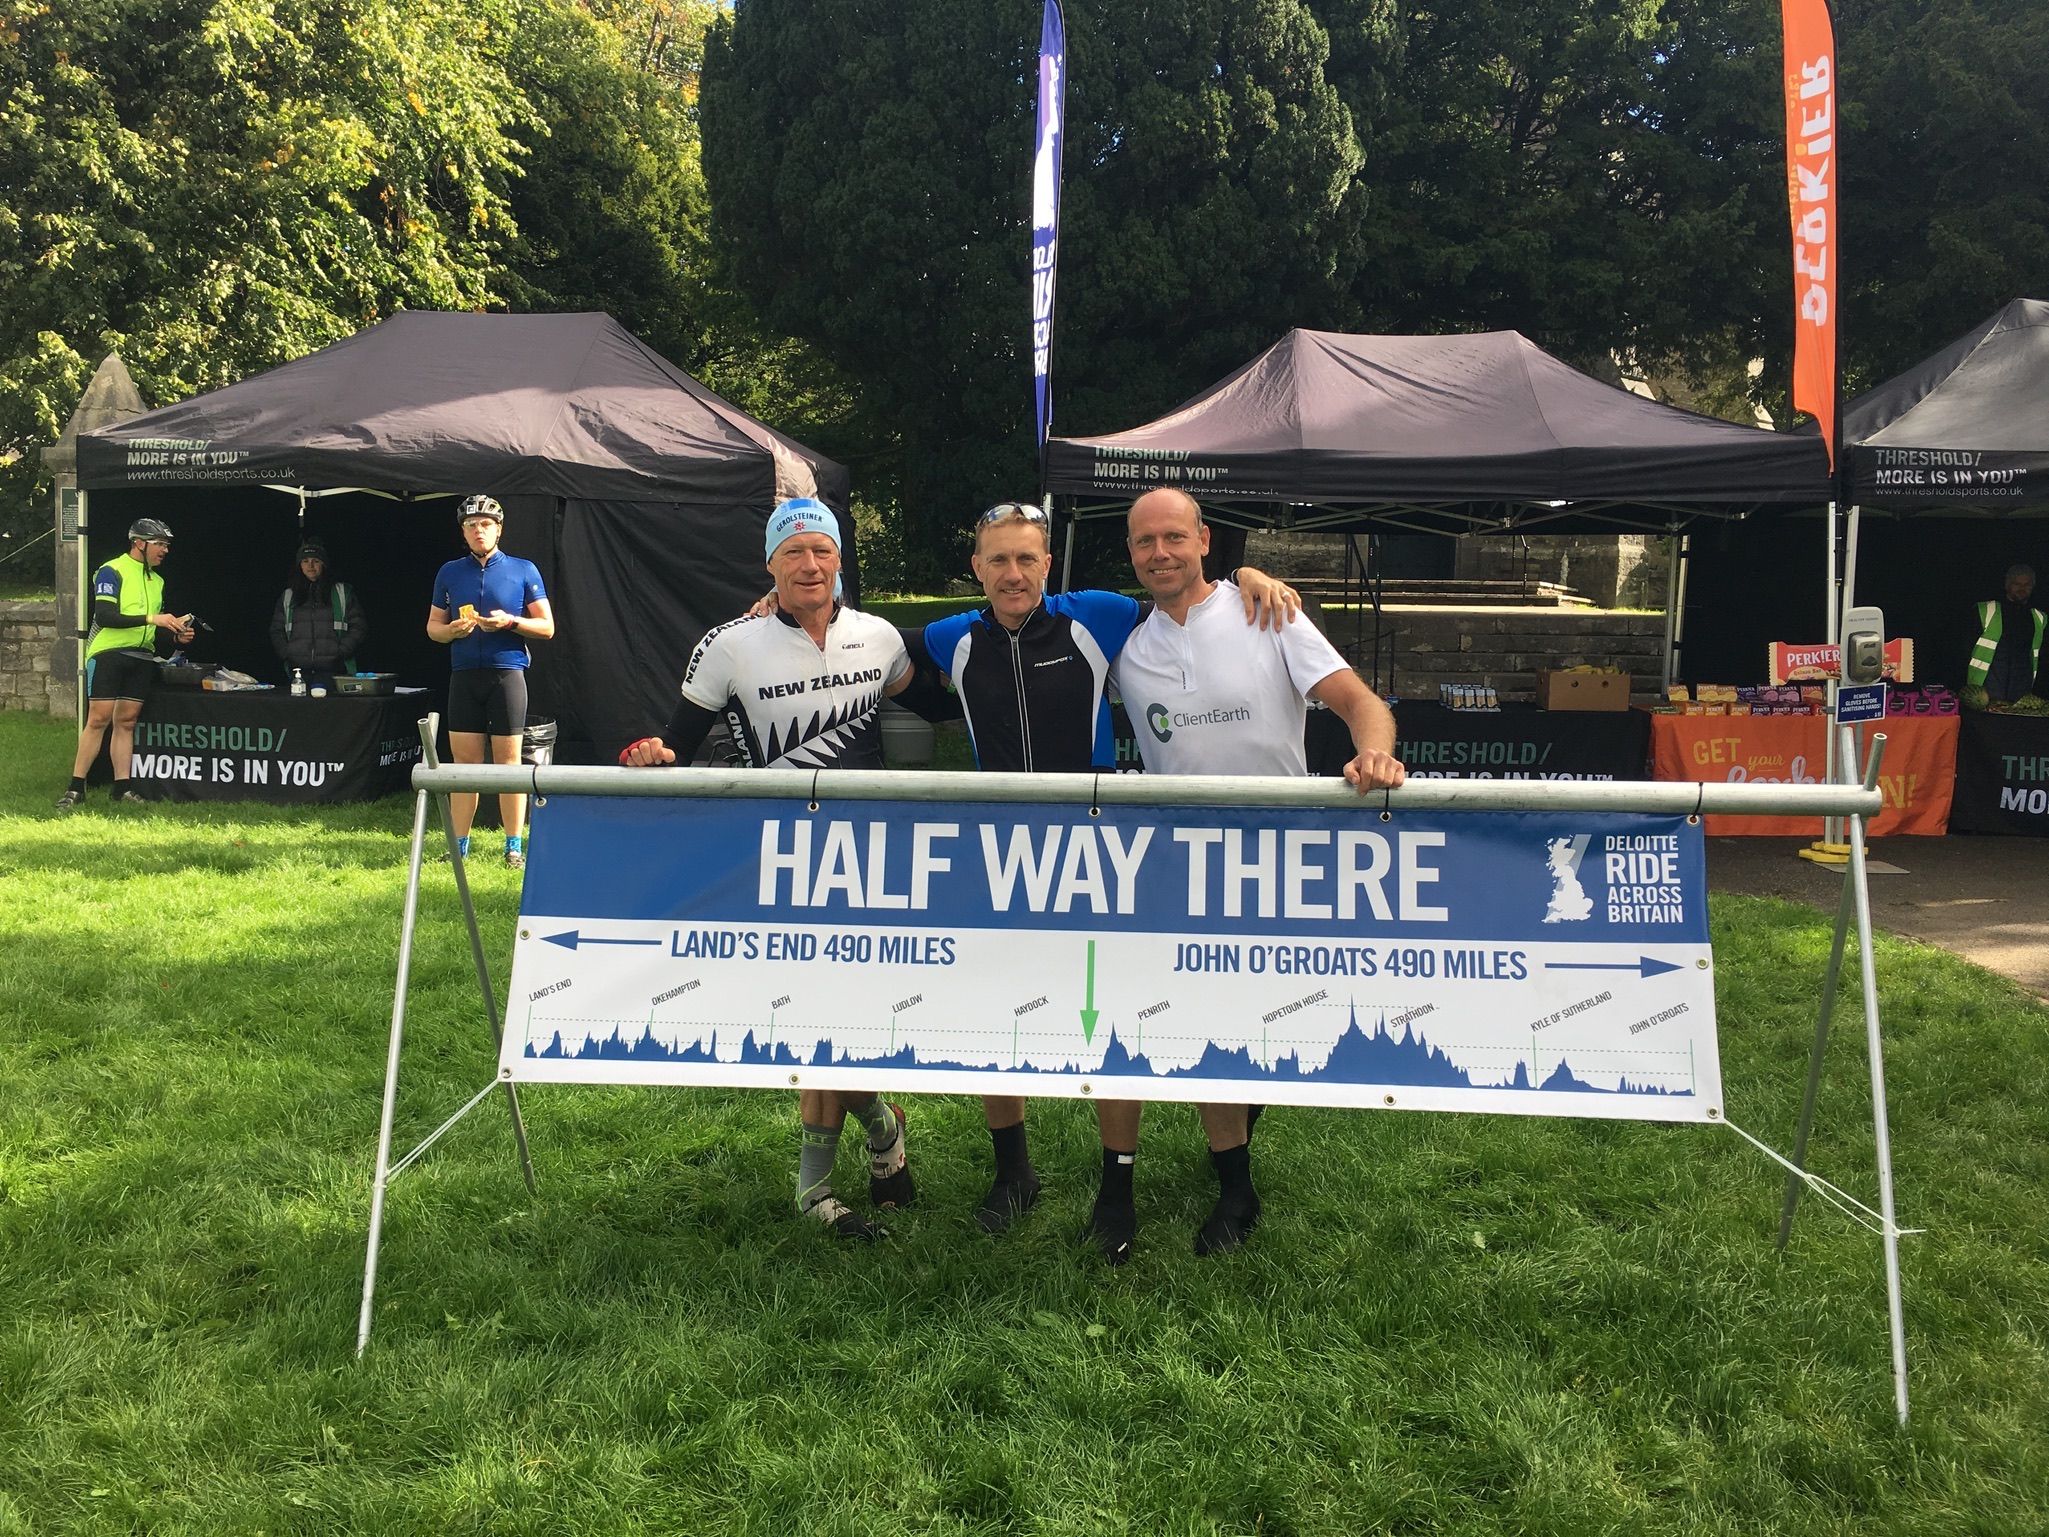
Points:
317	625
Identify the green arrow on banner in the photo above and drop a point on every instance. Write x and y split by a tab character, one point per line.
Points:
1089	1012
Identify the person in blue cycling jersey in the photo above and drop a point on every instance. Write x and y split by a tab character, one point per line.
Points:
1029	669
487	605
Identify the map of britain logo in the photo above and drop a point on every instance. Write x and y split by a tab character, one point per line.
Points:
1569	900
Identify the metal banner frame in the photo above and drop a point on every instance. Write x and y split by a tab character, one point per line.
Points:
1854	802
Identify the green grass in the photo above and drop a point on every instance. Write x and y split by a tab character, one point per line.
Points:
1448	1323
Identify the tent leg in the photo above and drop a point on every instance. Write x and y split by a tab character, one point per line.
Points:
398	1025
1067	558
1832	827
428	728
82	618
1671	612
1881	1131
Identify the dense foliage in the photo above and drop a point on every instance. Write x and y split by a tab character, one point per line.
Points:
214	186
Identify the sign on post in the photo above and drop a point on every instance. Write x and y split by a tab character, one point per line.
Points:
1859	704
1550	963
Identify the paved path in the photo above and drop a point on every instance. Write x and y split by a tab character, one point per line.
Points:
1986	899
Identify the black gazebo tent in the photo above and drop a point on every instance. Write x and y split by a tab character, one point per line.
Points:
1965	430
1481	433
1953	454
640	493
1452	434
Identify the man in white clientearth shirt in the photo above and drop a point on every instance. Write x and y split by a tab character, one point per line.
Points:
1208	696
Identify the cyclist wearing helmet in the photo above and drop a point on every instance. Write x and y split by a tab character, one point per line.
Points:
120	655
487	606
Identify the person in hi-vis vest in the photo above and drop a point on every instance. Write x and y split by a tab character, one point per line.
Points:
2009	644
120	656
317	625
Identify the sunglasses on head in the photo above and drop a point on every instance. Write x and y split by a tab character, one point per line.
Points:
1004	510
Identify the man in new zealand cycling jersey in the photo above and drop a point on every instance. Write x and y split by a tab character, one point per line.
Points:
801	688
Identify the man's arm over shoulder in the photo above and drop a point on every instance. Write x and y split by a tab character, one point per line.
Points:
924	689
1109	617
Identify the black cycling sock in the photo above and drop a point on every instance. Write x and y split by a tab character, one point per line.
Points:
1013	1158
1117	1169
1234	1170
78	784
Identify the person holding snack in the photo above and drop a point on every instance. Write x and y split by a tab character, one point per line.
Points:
487	605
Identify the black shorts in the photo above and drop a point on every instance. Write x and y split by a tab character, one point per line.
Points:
489	701
120	675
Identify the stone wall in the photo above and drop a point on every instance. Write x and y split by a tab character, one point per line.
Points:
1609	570
28	630
1505	647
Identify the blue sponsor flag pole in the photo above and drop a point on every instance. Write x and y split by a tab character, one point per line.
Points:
1049	132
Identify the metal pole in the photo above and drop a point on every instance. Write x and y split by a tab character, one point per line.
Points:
1671	609
1067	559
428	729
1828	1004
1832	827
1679	603
1881	1132
398	1025
1850	563
1655	797
83	620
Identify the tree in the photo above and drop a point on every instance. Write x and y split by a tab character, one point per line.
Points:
612	212
869	167
216	187
1945	191
1593	173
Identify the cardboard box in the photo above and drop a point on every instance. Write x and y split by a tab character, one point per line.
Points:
1583	690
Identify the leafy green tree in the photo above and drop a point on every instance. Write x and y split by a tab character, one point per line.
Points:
1945	191
612	212
215	186
870	166
1589	172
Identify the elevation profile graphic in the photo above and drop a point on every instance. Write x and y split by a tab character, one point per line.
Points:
1379	1056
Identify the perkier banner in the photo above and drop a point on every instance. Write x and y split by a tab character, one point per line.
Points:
1811	129
1553	964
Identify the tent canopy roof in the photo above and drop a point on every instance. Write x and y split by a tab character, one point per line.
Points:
426	402
1484	429
1966	428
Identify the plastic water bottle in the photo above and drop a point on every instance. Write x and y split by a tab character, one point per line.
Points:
298	684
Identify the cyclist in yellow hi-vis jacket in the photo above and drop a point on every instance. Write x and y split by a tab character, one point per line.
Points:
120	654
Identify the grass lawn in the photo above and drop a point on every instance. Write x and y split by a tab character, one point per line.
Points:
1447	1324
907	612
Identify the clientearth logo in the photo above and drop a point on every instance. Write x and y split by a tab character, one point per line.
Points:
1156	717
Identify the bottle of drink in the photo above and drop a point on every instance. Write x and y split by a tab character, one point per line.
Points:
298	684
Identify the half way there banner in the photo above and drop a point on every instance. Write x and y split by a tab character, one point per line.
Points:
1553	964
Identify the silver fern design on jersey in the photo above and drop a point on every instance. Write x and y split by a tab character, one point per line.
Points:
828	739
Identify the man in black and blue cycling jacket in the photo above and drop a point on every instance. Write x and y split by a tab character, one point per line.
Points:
1029	669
